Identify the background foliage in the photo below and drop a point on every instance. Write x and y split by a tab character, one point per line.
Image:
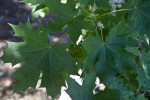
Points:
114	48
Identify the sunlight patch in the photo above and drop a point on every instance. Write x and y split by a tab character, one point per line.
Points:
64	1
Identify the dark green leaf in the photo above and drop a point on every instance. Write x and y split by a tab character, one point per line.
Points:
139	16
109	57
39	57
144	71
76	25
84	92
108	94
104	4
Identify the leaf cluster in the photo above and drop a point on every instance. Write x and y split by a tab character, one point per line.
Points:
113	48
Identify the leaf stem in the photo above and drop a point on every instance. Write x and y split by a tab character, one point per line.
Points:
101	33
58	39
87	12
115	11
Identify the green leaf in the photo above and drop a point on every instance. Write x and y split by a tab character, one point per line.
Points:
144	71
78	92
104	4
109	57
108	53
107	19
39	57
133	50
76	25
77	51
66	12
126	94
141	97
130	80
139	16
34	2
108	94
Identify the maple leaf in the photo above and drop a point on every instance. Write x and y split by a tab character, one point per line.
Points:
139	15
78	92
109	57
76	25
103	4
52	62
144	70
66	12
107	19
131	82
108	94
102	55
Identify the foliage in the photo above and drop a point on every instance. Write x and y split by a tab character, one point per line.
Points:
114	49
